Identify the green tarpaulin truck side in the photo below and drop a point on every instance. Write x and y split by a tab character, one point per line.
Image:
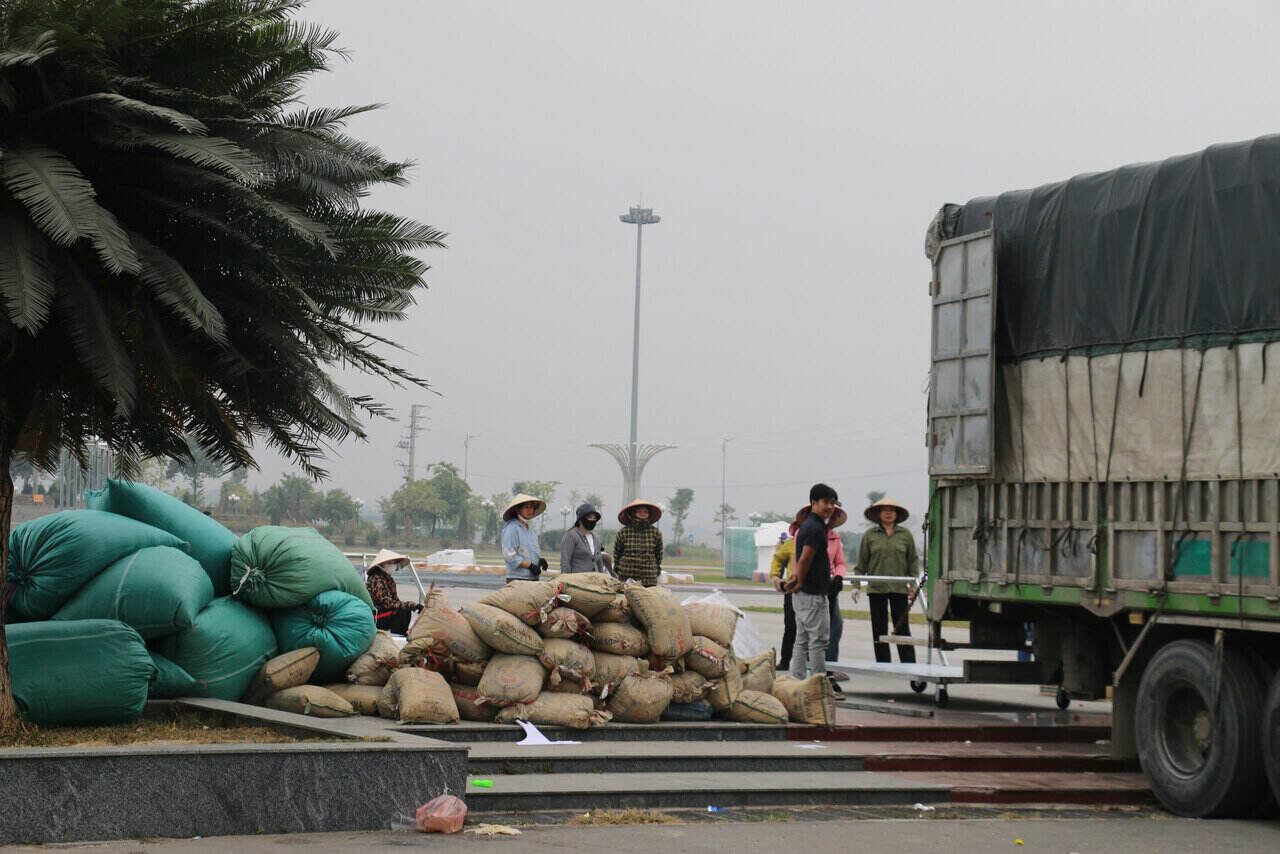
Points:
1104	450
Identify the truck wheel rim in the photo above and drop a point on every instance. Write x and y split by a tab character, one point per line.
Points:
1187	730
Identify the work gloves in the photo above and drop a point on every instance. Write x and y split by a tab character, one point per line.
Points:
836	585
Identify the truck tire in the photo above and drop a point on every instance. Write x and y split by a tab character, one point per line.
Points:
1200	764
1271	736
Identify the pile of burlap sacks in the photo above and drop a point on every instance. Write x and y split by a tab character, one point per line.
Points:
576	651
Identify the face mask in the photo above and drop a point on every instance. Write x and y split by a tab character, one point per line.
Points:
589	524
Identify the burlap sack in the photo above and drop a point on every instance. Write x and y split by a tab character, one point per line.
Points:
757	707
446	633
590	592
725	690
363	698
665	625
808	701
550	709
284	671
531	601
616	612
618	638
565	623
471	707
414	695
689	687
610	670
568	686
374	666
712	621
502	631
468	672
567	660
759	672
511	679
640	699
708	658
310	700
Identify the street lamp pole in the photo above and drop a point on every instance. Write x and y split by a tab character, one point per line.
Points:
640	217
466	452
724	500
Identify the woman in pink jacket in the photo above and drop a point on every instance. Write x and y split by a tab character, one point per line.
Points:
835	551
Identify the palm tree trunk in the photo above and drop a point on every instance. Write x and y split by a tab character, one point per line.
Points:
8	709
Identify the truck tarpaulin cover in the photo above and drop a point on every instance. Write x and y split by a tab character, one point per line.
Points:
1184	247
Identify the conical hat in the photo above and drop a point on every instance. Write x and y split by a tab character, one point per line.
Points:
873	512
655	512
522	498
838	518
386	556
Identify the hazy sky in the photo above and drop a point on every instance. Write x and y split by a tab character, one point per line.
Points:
795	152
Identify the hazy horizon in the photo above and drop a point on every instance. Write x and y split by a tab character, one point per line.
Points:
795	153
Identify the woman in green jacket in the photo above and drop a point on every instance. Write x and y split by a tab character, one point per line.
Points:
888	549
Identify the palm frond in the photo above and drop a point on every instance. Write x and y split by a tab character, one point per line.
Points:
63	205
120	103
176	290
41	46
210	152
89	326
325	118
26	282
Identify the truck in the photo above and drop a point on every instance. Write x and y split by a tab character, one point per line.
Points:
1104	455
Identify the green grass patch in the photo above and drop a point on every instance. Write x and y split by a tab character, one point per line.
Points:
718	578
183	728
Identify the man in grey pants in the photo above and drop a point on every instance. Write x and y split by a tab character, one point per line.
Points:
810	584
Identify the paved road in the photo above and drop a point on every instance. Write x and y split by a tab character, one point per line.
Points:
856	646
922	836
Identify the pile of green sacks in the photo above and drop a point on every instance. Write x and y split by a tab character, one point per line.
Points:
142	596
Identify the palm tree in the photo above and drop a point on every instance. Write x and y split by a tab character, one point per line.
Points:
183	249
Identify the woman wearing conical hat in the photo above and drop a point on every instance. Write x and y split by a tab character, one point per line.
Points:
520	548
389	611
888	549
637	550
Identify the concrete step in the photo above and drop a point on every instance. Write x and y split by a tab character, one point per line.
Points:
478	733
1037	788
883	728
761	756
537	792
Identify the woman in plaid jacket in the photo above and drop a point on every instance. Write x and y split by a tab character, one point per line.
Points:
637	551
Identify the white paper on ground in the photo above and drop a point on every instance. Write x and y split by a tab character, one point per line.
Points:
533	736
814	746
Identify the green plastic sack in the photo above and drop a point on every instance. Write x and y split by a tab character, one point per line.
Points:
223	649
336	623
170	680
209	540
81	672
157	590
275	567
52	557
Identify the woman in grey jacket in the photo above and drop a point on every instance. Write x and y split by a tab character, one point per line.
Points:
580	551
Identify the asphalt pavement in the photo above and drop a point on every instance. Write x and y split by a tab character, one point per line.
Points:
772	832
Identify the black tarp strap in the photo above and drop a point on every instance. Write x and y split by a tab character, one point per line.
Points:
1142	383
1093	418
1115	410
1243	534
1022	487
1056	542
1189	427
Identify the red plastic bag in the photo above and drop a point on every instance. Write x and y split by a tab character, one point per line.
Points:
443	814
